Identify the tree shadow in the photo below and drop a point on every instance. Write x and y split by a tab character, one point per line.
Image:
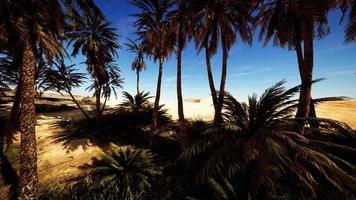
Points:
119	128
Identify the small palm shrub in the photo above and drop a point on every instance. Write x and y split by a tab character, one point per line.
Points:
125	174
258	150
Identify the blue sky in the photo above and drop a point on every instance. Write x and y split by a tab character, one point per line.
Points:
250	69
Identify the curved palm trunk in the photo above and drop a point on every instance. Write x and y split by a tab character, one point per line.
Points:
306	75
218	116
158	96
210	77
138	81
78	105
182	125
28	157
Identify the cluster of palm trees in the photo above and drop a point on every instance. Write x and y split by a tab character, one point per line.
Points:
32	32
165	26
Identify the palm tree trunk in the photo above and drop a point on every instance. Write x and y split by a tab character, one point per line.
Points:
306	74
78	105
97	97
182	125
158	96
28	157
218	116
210	77
138	81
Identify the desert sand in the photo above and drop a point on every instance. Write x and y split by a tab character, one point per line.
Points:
344	111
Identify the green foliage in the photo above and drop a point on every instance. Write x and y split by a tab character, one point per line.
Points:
135	103
60	77
257	146
223	190
138	49
124	174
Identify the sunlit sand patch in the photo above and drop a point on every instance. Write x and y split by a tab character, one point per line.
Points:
55	162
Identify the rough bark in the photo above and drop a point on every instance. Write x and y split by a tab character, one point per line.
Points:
158	96
210	77
97	97
138	81
306	74
182	124
218	116
28	157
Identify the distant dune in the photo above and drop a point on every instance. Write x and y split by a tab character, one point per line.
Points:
202	108
344	111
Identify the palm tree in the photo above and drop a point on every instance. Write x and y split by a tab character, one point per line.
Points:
63	78
294	24
351	21
180	19
139	63
96	40
256	147
135	103
154	33
219	21
111	82
125	174
37	23
31	24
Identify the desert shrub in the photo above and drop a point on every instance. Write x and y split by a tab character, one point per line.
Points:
124	174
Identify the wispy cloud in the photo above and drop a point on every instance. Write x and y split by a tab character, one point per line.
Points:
332	49
248	70
171	79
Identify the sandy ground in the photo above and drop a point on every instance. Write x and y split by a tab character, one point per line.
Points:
57	162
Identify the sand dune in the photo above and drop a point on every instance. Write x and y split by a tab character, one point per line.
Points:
202	108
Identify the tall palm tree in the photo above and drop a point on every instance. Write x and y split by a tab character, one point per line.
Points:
180	19
30	25
154	32
220	21
111	82
257	142
295	24
96	40
37	23
139	63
